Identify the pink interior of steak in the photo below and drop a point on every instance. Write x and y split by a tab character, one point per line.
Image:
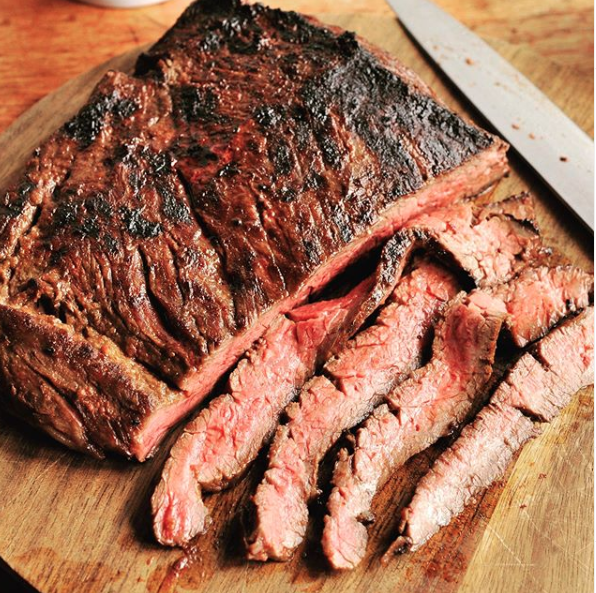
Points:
541	296
479	456
421	410
328	407
539	386
542	381
318	419
535	300
227	435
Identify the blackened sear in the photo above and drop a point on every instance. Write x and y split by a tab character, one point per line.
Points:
202	248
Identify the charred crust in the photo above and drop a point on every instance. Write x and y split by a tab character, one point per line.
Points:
312	251
147	63
210	43
201	155
286	194
330	150
91	119
111	244
281	157
294	28
65	215
348	44
229	169
99	205
159	162
314	180
137	225
268	115
13	207
172	208
197	105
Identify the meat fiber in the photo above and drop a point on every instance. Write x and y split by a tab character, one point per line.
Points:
535	301
393	346
538	387
251	157
421	410
347	390
485	241
540	297
225	437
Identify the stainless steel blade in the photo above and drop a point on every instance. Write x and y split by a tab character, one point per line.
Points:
559	151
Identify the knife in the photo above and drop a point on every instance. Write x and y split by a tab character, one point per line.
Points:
555	147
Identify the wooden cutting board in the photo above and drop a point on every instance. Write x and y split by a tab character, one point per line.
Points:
68	523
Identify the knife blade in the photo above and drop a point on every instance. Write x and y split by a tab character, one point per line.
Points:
554	146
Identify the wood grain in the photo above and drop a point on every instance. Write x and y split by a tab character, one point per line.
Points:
68	523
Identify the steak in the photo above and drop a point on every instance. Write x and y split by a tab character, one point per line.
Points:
324	409
540	297
492	243
421	410
538	387
251	157
535	301
217	446
356	381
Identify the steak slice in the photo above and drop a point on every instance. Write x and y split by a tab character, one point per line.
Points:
217	446
395	432
422	409
349	388
323	409
538	387
540	297
492	243
252	156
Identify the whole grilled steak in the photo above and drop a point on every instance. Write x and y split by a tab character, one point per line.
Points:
489	243
433	400
538	387
252	156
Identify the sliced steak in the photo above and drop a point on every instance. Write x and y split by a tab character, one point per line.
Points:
217	446
422	409
540	297
253	155
535	301
392	346
492	243
538	387
349	387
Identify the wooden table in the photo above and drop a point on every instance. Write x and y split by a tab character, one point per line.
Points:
44	43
